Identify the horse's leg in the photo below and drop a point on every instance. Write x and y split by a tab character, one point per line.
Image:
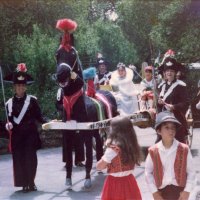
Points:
87	138
69	138
99	144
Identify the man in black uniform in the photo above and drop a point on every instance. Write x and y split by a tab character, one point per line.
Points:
23	112
103	75
173	96
77	142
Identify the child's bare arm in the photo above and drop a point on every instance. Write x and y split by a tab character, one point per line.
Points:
109	154
157	196
184	195
101	164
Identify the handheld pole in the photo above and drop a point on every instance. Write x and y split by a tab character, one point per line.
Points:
3	93
156	95
6	113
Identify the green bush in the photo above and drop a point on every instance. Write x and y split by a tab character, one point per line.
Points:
38	52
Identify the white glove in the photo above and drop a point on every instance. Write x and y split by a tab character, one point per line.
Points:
73	75
9	126
198	105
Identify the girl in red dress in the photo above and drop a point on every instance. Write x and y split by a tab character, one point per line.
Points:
121	156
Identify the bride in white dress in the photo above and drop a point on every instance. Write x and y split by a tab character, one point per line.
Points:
124	90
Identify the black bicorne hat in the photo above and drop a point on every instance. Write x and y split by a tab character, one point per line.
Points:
63	72
101	61
170	63
20	76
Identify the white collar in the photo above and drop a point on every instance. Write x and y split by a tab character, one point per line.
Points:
172	148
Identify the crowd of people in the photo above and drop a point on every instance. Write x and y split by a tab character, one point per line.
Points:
168	166
122	154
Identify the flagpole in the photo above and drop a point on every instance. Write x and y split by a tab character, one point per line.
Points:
3	92
156	96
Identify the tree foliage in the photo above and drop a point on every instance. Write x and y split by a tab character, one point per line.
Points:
136	20
37	52
178	29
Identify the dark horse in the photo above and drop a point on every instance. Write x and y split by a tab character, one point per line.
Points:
80	107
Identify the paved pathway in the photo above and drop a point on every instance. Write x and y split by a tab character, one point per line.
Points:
50	177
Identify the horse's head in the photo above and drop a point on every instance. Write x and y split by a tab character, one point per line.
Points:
64	56
66	53
69	57
63	74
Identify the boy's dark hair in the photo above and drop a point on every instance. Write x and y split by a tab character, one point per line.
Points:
123	134
159	127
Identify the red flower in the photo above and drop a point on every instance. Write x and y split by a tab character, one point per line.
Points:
170	53
21	67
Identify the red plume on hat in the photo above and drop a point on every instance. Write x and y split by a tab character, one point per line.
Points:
20	76
170	53
21	67
66	25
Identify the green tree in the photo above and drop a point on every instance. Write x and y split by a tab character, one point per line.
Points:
37	51
178	29
136	19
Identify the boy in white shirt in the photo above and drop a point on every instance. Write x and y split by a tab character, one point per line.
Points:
169	166
148	86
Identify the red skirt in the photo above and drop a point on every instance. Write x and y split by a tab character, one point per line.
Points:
121	188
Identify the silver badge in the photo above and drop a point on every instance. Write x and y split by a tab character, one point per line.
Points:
20	78
169	63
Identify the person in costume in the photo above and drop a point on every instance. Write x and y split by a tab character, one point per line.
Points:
173	96
89	75
67	43
23	113
124	89
103	75
169	166
121	156
77	143
148	87
70	78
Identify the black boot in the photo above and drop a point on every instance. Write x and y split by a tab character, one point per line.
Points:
25	189
32	187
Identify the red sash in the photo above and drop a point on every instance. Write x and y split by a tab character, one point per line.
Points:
69	101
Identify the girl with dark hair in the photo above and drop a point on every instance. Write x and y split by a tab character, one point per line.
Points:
121	156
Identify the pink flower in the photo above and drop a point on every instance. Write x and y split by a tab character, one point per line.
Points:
170	53
21	67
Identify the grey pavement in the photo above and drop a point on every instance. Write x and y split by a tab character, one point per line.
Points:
50	178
